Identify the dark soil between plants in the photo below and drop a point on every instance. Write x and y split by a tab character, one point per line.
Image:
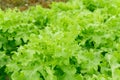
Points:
25	4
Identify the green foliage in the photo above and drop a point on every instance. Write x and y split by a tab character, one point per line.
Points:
77	40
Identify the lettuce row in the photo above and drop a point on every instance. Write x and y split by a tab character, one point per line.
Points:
77	40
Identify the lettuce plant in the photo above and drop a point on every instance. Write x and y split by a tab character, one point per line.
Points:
77	40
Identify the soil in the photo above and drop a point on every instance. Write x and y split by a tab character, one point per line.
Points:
25	4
